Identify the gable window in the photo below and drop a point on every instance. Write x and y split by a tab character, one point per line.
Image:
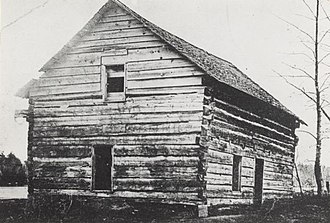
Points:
237	172
103	167
114	82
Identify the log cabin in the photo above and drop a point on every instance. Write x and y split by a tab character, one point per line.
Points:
128	111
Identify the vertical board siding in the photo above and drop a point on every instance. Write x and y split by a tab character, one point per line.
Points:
154	131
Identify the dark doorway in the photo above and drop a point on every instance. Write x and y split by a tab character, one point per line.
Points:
102	167
258	181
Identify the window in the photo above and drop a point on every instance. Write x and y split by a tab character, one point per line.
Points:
103	167
114	82
237	169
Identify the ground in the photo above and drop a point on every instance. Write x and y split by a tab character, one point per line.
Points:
310	209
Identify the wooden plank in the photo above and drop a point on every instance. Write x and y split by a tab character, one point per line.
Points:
151	53
71	71
78	88
118	18
69	80
117	34
166	90
95	95
161	73
166	82
109	26
159	64
118	41
79	60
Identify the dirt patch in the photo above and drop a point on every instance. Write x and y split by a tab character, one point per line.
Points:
311	210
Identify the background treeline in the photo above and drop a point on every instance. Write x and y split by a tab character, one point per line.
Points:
307	176
12	171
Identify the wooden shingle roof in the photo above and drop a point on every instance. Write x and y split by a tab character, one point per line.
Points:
220	69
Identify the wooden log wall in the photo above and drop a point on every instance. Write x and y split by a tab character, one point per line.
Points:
229	130
154	132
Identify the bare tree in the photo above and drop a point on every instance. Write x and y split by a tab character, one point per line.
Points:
318	52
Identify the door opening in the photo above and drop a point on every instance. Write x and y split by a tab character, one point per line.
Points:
258	181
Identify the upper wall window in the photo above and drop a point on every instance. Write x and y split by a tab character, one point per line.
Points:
115	78
114	82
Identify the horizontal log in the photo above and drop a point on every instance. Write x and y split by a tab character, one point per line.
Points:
190	198
117	18
230	195
229	201
217	126
277	176
162	117
138	129
156	150
158	161
66	109
252	117
61	183
219	157
61	151
160	100
154	172
166	185
63	172
259	150
253	126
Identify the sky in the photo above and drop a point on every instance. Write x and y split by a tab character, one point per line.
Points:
249	33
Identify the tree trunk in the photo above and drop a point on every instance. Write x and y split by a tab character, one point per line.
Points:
317	167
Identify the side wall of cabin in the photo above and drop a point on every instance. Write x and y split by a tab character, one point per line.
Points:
233	128
154	132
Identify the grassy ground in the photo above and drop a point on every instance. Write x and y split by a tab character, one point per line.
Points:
299	210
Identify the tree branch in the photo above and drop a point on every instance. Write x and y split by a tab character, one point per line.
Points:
307	132
304	93
309	8
24	15
296	27
301	70
325	56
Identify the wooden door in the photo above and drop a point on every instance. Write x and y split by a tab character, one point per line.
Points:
258	181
